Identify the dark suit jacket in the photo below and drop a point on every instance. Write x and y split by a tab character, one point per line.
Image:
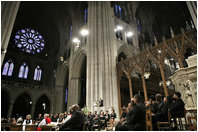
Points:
75	123
177	108
136	118
162	112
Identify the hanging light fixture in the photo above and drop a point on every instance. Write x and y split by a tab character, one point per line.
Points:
147	74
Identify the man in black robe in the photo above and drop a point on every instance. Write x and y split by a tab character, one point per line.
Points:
76	122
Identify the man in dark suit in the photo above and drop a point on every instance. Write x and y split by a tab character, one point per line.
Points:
76	122
96	123
162	111
101	102
136	116
177	107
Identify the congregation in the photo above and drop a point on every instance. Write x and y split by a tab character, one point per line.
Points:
132	118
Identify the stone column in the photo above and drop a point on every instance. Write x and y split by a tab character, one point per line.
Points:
101	56
192	6
74	91
133	24
59	98
8	14
10	108
33	109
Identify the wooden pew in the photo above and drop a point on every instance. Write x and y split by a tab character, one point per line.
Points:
46	128
165	125
192	126
149	124
30	127
16	128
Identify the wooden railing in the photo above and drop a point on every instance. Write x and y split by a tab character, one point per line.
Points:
174	47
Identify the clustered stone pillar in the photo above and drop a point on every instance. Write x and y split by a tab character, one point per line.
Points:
8	14
33	109
60	99
192	6
101	56
10	109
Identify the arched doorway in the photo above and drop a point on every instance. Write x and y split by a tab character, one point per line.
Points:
42	106
82	101
5	100
121	55
22	106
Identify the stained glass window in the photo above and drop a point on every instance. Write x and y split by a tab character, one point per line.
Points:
37	73
70	34
5	69
23	72
8	68
85	16
29	40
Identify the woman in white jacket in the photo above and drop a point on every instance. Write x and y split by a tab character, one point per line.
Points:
27	121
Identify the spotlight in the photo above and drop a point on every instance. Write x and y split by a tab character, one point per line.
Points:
119	28
129	34
84	32
159	51
76	40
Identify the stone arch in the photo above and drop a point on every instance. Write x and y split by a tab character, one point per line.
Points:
126	50
22	105
75	78
15	96
5	101
43	104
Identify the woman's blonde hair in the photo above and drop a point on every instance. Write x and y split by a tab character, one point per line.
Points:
28	116
61	115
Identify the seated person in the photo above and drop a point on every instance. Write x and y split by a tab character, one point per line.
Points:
177	107
60	120
20	120
65	115
39	119
76	122
13	121
152	104
89	121
120	126
27	121
107	117
96	123
45	121
124	114
102	119
95	113
68	115
112	116
162	112
136	116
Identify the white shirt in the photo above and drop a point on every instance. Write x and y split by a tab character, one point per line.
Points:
24	123
43	122
68	117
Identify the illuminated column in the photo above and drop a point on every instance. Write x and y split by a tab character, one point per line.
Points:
192	6
101	56
8	14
